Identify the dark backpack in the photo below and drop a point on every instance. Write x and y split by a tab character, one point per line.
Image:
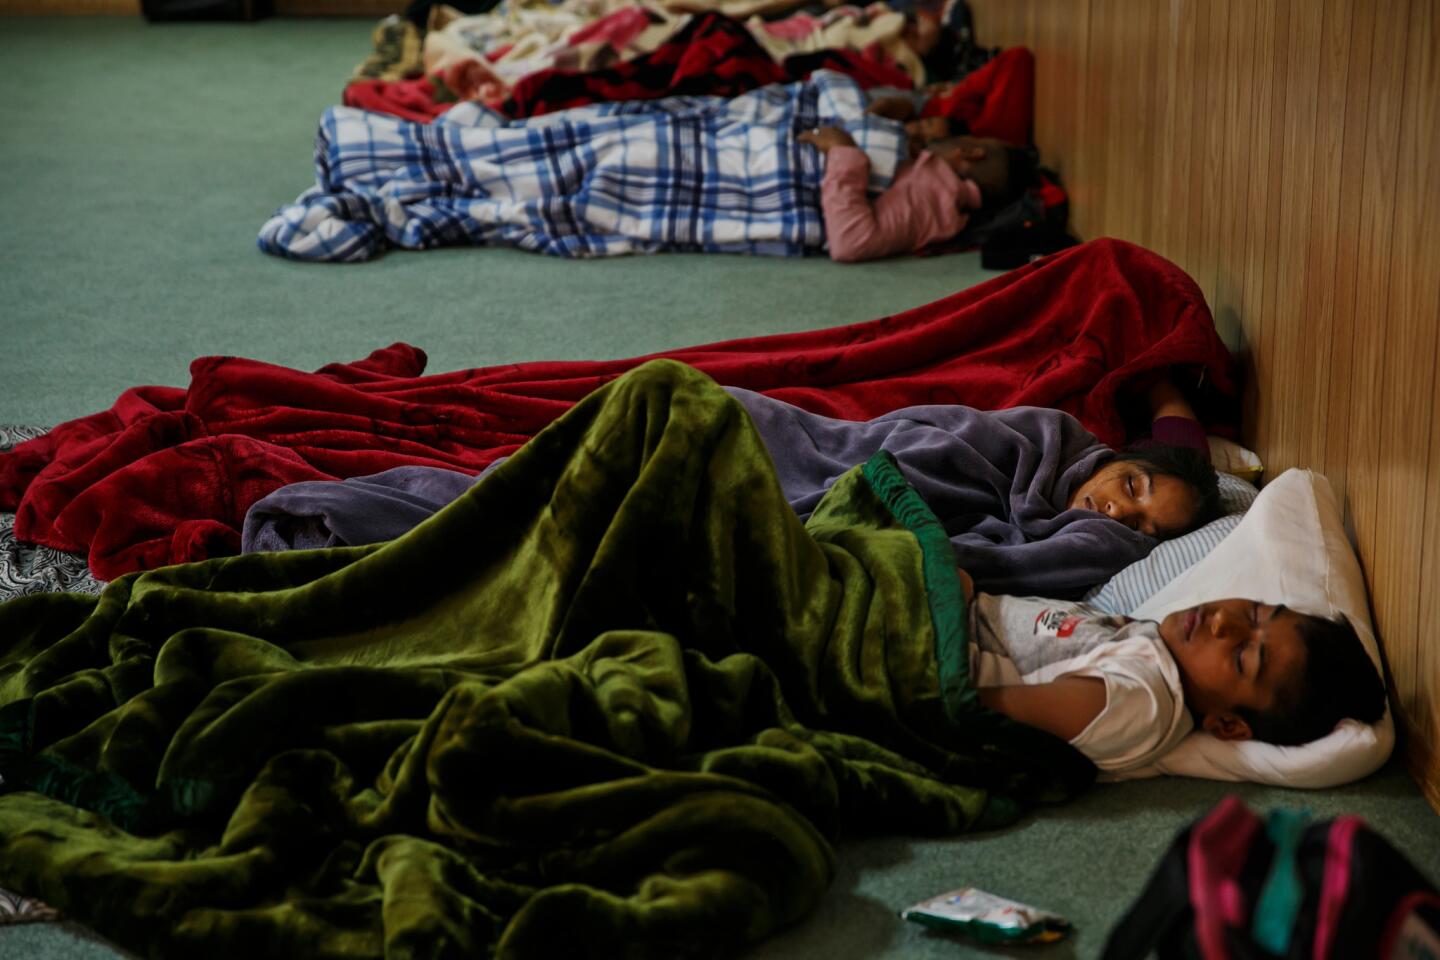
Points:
1234	886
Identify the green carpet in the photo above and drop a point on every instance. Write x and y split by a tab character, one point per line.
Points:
140	162
144	159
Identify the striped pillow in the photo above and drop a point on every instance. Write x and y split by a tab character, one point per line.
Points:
1136	583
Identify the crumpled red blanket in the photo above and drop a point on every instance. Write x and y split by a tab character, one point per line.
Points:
997	100
413	99
712	55
166	475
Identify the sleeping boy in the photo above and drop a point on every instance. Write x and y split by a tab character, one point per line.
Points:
1124	692
930	199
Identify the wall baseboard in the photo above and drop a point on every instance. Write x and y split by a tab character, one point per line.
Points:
71	7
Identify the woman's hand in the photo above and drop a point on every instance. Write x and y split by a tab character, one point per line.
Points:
967	584
823	138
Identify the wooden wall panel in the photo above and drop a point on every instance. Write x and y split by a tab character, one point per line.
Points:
1406	565
1283	153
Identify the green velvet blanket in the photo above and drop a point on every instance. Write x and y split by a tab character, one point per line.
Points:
615	701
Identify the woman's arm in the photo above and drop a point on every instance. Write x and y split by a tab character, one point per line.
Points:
1166	400
1064	707
1173	420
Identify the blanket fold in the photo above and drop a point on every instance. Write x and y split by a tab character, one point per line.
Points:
635	714
167	474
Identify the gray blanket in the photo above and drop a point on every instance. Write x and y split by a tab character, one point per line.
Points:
998	481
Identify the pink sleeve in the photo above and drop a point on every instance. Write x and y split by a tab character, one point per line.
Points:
921	206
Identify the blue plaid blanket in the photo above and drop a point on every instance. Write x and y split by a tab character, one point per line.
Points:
707	174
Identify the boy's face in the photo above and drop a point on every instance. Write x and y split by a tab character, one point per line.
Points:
1234	653
924	131
981	159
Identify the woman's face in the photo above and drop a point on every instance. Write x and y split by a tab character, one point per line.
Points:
1155	504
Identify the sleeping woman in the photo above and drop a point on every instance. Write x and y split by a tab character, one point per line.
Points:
1032	502
699	174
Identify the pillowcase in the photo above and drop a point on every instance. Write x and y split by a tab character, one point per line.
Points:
1138	582
1289	548
1229	457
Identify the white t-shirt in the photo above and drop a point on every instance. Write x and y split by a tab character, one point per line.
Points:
1034	640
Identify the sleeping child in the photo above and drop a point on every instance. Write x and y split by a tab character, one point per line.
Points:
1124	692
930	199
697	174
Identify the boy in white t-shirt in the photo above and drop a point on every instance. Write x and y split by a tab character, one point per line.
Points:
1124	692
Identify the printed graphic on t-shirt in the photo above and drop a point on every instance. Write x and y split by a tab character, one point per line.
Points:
1062	623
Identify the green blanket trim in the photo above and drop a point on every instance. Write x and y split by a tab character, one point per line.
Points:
104	793
943	589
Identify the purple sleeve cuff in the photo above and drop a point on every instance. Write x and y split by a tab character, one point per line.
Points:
1181	432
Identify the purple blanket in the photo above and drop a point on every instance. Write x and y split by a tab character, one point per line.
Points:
998	481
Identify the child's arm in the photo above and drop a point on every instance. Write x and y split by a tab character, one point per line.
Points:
1166	400
1064	707
916	210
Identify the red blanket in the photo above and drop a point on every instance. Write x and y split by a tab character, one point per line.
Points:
166	475
997	100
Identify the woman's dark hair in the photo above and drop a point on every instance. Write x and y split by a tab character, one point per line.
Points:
1186	465
1338	681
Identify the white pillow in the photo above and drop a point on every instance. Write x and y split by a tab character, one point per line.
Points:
1290	548
1229	457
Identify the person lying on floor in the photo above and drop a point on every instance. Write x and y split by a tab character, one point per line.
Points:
1125	692
699	174
932	196
1031	501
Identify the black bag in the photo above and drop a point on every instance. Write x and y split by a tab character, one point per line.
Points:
161	10
1234	886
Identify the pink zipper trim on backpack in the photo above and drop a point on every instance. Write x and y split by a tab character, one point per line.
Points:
1336	883
1219	845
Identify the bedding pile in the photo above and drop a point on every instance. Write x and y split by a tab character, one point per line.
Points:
711	56
615	695
481	57
523	60
167	474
